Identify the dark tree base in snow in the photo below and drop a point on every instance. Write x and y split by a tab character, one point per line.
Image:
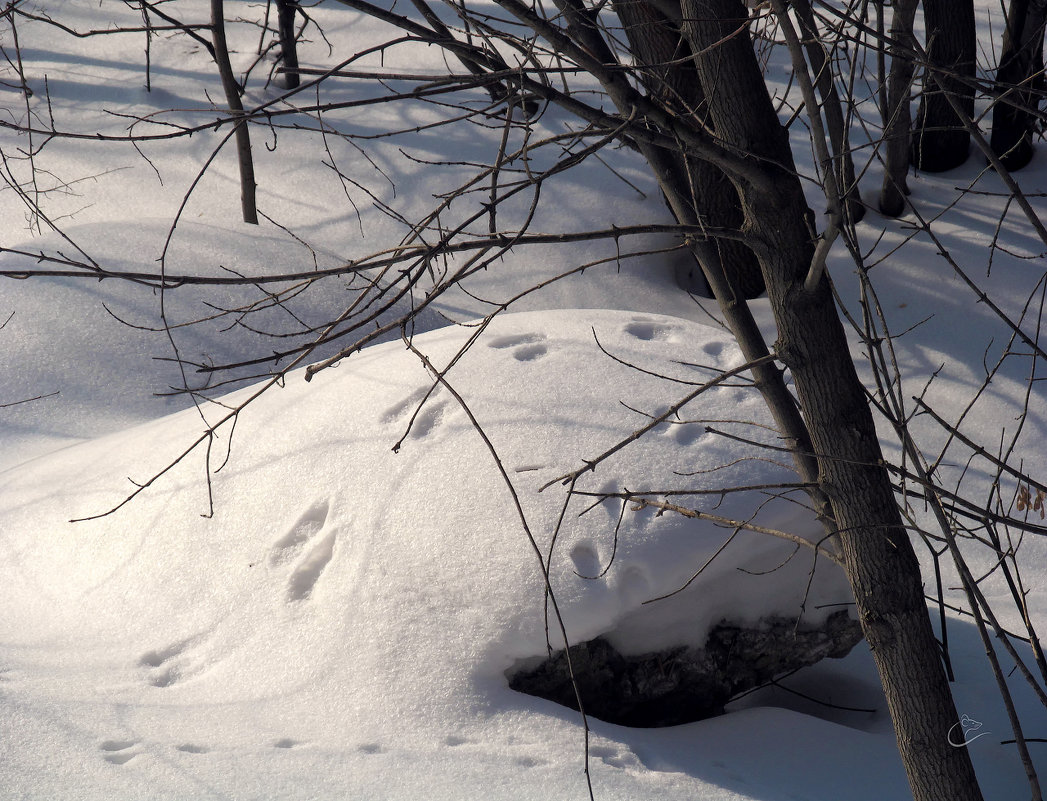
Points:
683	684
1014	154
948	151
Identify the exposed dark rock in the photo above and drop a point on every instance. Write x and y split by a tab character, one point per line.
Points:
684	684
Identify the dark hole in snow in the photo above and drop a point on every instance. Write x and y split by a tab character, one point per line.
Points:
683	684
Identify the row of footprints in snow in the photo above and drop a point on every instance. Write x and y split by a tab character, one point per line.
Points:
120	752
431	409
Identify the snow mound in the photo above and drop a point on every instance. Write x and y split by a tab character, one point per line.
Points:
344	589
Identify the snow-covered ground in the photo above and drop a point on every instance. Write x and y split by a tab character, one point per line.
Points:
298	609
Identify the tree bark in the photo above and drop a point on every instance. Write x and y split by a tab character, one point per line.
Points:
1019	83
248	207
668	76
285	14
896	133
832	110
879	559
940	139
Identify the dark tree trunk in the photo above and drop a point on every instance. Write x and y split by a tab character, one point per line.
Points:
878	555
941	141
285	14
896	124
668	76
1019	83
248	207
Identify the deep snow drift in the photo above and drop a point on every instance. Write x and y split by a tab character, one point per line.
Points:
354	600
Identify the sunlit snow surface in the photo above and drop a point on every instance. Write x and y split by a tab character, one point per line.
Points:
342	624
340	627
361	602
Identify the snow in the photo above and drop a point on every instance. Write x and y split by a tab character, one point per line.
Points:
341	570
324	603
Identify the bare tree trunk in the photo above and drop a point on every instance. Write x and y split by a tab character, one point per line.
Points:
896	124
712	199
232	97
940	139
285	14
1020	81
878	555
832	111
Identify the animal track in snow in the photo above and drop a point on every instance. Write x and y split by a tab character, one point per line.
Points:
307	573
189	748
683	432
512	340
286	742
157	658
397	410
423	421
117	751
528	353
615	757
686	433
310	534
525	347
428	419
713	348
586	560
170	664
305	528
647	330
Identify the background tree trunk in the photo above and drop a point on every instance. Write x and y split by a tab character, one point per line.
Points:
285	14
940	139
667	75
248	207
832	110
1020	82
896	131
878	555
